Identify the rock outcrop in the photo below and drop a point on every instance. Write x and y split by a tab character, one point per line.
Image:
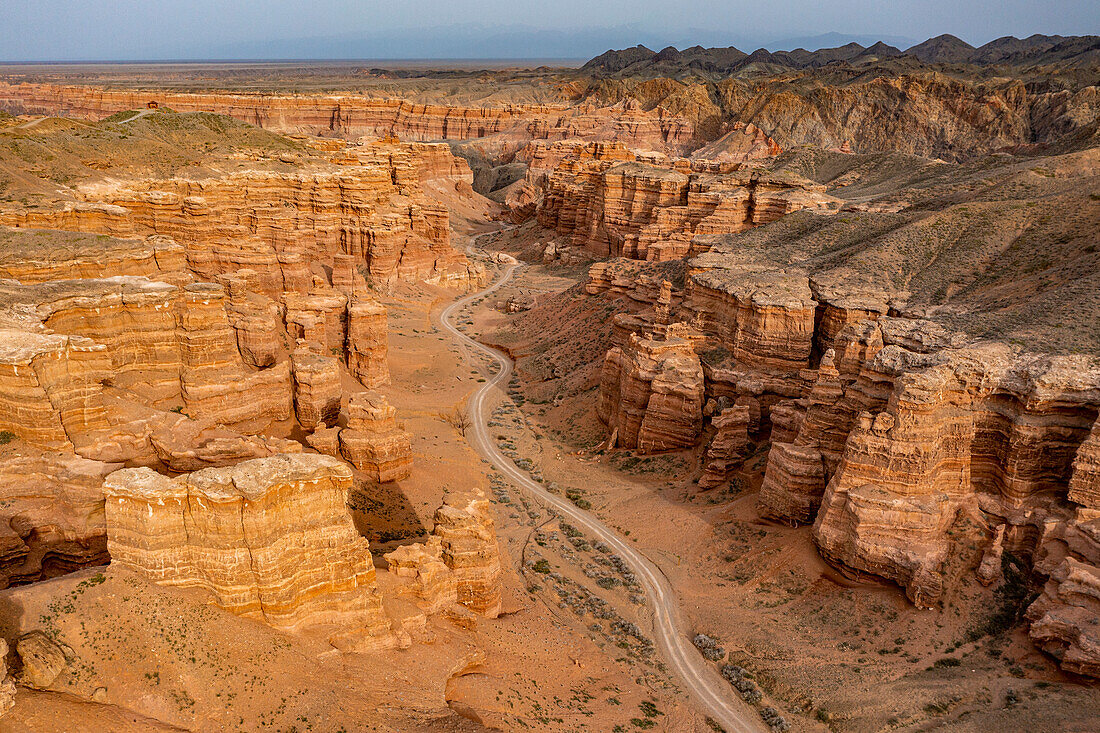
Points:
651	394
431	581
373	442
1084	483
504	128
1063	619
269	538
51	515
370	205
763	318
744	142
45	256
161	341
620	204
459	563
7	684
317	390
976	427
464	526
42	658
368	343
730	445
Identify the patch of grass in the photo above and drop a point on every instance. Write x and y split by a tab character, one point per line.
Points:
1013	597
575	496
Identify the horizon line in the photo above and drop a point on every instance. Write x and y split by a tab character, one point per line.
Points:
344	60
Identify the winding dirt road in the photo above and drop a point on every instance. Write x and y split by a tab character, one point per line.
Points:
697	675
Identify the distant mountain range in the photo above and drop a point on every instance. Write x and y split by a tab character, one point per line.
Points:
946	49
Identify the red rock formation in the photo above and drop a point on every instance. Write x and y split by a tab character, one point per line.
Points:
317	390
729	446
764	318
464	526
1063	619
431	581
368	343
371	206
51	515
38	257
373	441
511	126
254	316
615	203
651	394
7	684
961	428
269	538
743	143
153	342
1084	484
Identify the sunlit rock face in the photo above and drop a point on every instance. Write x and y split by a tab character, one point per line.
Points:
369	204
465	528
373	442
460	561
617	203
270	538
651	394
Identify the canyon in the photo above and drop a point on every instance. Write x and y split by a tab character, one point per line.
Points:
661	392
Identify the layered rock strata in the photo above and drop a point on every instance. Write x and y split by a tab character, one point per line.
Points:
464	526
368	343
974	427
51	515
1063	618
44	256
157	341
505	128
369	205
728	447
317	389
615	203
373	442
430	580
269	538
651	394
884	430
7	684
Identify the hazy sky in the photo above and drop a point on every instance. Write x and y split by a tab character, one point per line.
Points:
178	29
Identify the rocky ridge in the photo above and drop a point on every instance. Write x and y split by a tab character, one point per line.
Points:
271	538
617	203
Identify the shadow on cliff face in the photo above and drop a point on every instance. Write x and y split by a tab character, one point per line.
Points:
383	514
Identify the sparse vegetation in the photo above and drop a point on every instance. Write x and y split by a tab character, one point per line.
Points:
458	418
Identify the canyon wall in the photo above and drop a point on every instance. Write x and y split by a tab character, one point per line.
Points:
370	205
651	394
501	129
269	538
885	432
460	562
616	203
273	539
229	305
